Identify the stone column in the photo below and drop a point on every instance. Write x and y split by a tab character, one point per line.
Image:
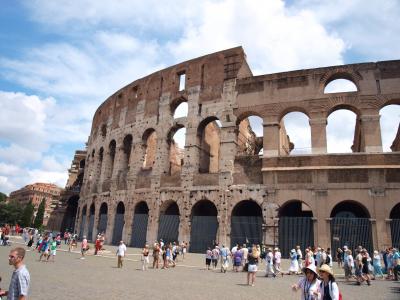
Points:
271	137
318	135
96	220
371	131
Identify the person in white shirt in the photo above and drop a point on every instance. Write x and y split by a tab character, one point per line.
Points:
309	284
269	263
121	253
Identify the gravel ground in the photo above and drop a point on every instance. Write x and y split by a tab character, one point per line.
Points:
97	276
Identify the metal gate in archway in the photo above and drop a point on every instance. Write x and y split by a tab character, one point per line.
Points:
203	233
139	230
168	228
246	230
90	229
351	232
295	231
395	231
118	228
102	223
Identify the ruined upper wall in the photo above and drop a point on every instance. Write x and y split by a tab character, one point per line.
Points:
291	90
209	72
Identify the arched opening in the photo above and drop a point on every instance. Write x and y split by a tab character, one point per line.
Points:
343	132
126	154
118	223
296	226
83	222
246	223
295	134
176	142
103	218
91	222
250	133
82	164
181	110
209	137
168	228
395	225
350	226
340	85
204	226
139	225
70	214
149	143
390	127
111	148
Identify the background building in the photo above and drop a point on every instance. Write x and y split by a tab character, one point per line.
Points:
36	193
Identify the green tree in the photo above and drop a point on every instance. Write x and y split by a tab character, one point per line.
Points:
40	214
10	213
3	197
27	215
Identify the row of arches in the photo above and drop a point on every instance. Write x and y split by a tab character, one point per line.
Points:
350	224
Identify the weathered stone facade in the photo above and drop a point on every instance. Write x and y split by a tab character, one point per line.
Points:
129	160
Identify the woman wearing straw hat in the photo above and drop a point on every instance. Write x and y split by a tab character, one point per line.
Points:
309	284
329	289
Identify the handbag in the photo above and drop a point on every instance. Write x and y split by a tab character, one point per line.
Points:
246	267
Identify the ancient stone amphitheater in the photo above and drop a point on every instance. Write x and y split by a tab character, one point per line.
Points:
227	184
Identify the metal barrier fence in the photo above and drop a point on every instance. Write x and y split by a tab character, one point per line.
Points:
246	230
295	231
139	230
203	233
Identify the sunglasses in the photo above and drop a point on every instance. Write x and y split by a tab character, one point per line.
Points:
12	257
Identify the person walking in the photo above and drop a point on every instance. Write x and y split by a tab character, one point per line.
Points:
252	262
84	247
20	279
121	253
277	261
294	264
225	253
269	263
328	286
145	257
156	255
53	250
376	262
309	284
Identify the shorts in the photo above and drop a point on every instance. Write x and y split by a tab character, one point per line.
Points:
53	252
252	268
208	261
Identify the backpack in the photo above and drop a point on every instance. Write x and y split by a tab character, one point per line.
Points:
328	260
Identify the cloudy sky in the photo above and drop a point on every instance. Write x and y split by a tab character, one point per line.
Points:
59	60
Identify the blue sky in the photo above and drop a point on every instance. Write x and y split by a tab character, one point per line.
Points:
59	60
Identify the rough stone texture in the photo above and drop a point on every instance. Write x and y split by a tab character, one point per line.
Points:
220	86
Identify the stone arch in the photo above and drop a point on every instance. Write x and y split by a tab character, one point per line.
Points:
83	221
395	225
149	143
168	228
208	140
204	225
176	103
390	125
139	224
294	122
119	223
351	226
296	227
246	223
112	148
340	73
248	141
71	214
103	218
176	152
91	222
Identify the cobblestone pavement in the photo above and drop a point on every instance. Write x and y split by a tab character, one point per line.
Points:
97	276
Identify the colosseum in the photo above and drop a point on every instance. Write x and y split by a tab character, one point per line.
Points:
229	185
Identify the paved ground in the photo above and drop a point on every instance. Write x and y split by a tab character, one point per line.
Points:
72	278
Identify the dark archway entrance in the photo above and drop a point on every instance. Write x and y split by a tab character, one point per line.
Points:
83	222
395	226
118	223
91	223
102	225
168	228
139	225
351	226
204	226
70	214
295	226
246	223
